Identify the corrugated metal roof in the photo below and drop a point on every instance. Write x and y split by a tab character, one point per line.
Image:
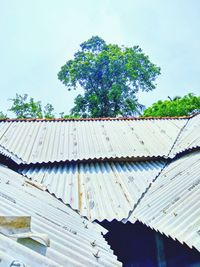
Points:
13	254
98	190
55	141
71	236
189	137
172	204
5	152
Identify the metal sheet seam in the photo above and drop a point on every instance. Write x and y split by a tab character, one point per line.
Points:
144	193
176	214
189	139
175	141
157	177
117	178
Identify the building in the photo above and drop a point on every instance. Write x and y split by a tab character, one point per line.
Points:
120	174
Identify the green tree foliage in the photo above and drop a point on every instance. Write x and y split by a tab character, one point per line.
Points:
25	107
2	115
110	76
66	116
177	106
48	111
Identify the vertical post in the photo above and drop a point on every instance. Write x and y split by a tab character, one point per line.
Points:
160	250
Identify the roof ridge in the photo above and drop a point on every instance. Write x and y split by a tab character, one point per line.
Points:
177	137
98	119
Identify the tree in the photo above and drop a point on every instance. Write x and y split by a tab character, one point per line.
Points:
24	107
178	106
66	116
110	76
48	111
3	116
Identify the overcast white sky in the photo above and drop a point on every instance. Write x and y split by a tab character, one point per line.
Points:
38	36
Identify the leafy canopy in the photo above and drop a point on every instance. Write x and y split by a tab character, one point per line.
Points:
178	106
110	76
24	107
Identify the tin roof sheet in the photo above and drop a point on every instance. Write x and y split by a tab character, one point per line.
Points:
71	236
172	204
55	141
98	190
189	137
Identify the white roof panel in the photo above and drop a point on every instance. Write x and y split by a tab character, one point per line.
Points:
172	204
71	236
55	141
189	137
104	190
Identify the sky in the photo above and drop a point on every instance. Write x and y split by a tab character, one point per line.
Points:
38	37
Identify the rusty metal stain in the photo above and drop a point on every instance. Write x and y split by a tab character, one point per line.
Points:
19	227
15	222
36	184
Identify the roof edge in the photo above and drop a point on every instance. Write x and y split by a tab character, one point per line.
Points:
5	152
96	160
99	119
